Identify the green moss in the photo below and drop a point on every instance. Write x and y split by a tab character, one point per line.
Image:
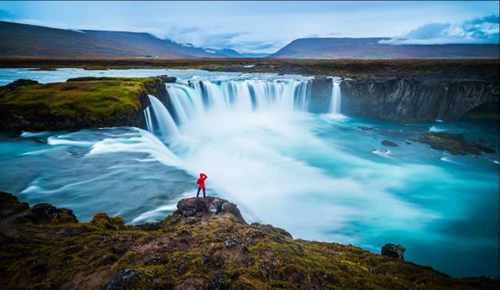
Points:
197	253
89	99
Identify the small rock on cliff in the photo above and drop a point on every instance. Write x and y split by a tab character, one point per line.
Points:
393	251
208	206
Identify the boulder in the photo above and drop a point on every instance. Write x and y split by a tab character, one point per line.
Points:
389	143
44	213
393	251
167	79
208	206
365	128
103	221
10	205
123	280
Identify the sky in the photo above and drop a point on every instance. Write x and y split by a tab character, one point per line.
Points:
265	27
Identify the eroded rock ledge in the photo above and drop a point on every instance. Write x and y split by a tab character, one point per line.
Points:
80	103
205	244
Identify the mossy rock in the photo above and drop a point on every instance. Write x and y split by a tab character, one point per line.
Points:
214	252
104	222
76	104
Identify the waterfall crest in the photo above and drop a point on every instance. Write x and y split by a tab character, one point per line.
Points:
237	95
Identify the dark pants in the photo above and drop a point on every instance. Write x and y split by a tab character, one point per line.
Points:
199	188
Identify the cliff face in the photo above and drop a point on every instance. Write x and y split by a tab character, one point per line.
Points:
205	244
321	92
78	103
415	100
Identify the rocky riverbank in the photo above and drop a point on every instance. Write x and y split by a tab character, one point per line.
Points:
77	103
205	244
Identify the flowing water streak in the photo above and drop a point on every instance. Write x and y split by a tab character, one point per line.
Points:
167	129
335	99
149	121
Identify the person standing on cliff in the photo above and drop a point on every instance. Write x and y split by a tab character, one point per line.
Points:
201	184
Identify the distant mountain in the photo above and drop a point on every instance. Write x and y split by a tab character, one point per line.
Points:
23	40
370	48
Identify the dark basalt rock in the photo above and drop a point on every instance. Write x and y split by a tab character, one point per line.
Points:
38	268
44	213
167	79
485	148
103	221
389	143
218	282
200	207
407	99
123	280
365	128
19	83
150	226
321	93
232	242
393	251
454	143
10	205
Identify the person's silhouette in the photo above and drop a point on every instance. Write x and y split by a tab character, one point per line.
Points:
201	184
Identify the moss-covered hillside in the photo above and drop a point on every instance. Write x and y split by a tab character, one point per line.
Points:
205	244
75	104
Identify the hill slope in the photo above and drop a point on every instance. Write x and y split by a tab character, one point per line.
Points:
205	244
22	40
372	49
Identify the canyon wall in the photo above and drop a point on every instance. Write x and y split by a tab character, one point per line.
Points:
415	100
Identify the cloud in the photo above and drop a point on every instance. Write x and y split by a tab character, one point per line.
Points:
213	38
330	34
478	30
429	31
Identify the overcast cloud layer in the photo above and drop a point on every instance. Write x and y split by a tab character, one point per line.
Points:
267	26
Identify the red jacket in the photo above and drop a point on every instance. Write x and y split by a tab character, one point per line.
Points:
201	180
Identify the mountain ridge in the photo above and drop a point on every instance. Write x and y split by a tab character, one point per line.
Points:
371	48
26	40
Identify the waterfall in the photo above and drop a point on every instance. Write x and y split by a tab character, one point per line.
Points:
186	101
149	121
335	99
237	95
164	125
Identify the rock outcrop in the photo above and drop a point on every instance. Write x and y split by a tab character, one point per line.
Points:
208	206
42	213
78	103
393	251
205	244
454	143
389	143
407	99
